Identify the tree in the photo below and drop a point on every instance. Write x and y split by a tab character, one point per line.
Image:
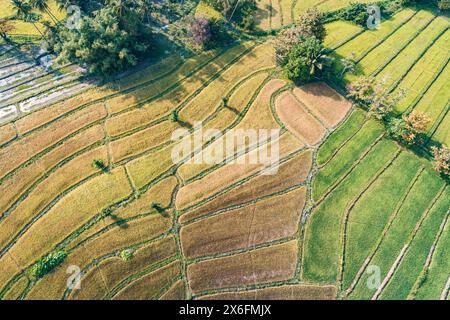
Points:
306	61
240	11
285	42
348	64
200	30
444	4
370	94
42	6
24	12
418	121
310	24
441	160
109	42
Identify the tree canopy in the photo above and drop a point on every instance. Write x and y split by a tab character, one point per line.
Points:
109	42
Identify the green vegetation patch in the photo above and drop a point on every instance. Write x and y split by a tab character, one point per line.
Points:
409	270
322	240
47	264
338	137
343	161
418	199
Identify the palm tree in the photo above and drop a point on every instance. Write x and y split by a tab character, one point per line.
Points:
42	6
23	12
319	60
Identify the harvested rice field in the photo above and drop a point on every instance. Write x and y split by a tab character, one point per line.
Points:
212	176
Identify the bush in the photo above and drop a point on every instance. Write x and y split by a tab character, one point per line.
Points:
47	264
127	254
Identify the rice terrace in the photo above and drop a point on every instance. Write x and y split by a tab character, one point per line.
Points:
346	102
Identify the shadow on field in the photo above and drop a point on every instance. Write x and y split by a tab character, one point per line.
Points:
119	221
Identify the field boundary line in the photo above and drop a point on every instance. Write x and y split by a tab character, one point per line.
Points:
235	252
179	247
70	83
136	246
406	247
345	175
396	54
309	201
116	94
350	206
64	161
268	285
446	290
275	115
264	285
345	41
236	183
48	207
310	112
34	78
382	40
61	164
191	96
439	120
90	265
420	279
386	229
138	275
245	204
424	51
165	118
343	144
235	123
429	84
50	147
390	272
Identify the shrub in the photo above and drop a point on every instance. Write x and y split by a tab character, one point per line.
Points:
441	160
47	264
127	254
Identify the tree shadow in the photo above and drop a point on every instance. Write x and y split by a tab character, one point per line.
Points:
123	224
